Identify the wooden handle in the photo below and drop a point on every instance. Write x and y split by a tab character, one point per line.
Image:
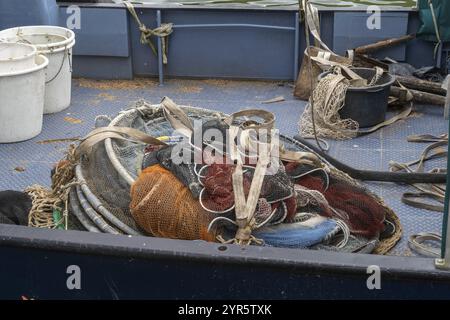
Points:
383	44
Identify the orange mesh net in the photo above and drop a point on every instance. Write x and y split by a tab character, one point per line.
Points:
164	207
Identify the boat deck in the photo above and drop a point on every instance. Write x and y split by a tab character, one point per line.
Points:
27	163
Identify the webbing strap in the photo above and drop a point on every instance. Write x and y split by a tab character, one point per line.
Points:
312	19
268	117
433	192
402	115
353	75
416	200
118	133
245	208
177	118
416	242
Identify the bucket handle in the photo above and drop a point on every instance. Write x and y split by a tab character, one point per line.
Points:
66	54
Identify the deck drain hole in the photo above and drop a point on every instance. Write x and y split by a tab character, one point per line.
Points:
223	248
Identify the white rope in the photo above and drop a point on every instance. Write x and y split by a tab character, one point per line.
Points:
328	98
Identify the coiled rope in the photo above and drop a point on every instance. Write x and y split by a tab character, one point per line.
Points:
49	207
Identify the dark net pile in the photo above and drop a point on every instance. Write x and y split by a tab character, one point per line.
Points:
299	206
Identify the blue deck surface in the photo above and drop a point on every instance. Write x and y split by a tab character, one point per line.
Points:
27	163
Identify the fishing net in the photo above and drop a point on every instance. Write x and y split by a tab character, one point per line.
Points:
328	98
125	187
312	230
101	201
165	208
324	116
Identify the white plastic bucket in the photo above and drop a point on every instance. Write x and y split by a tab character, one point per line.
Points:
22	102
16	57
40	36
56	43
58	81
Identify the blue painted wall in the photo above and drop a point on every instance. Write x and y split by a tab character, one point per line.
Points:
230	52
108	43
103	48
15	13
351	31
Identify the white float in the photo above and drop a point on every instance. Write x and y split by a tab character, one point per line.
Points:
22	102
56	43
16	56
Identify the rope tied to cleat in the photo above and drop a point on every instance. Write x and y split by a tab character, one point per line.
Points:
163	32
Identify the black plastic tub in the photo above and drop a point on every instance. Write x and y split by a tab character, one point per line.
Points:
367	105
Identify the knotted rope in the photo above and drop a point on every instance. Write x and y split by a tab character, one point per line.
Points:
50	206
163	32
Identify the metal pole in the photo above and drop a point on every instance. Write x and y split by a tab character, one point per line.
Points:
444	261
232	25
160	53
439	57
296	44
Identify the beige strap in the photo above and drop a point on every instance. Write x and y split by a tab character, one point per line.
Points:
245	209
433	192
313	23
417	242
268	117
238	180
181	122
353	75
119	133
427	137
307	158
402	115
177	117
351	55
378	73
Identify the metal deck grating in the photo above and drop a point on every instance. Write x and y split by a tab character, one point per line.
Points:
92	98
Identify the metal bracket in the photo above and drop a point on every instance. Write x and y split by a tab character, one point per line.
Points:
442	264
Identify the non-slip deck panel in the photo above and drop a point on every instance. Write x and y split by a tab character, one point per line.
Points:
91	98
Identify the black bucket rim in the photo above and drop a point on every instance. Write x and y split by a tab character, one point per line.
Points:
371	88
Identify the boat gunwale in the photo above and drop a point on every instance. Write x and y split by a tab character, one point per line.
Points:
232	7
78	242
